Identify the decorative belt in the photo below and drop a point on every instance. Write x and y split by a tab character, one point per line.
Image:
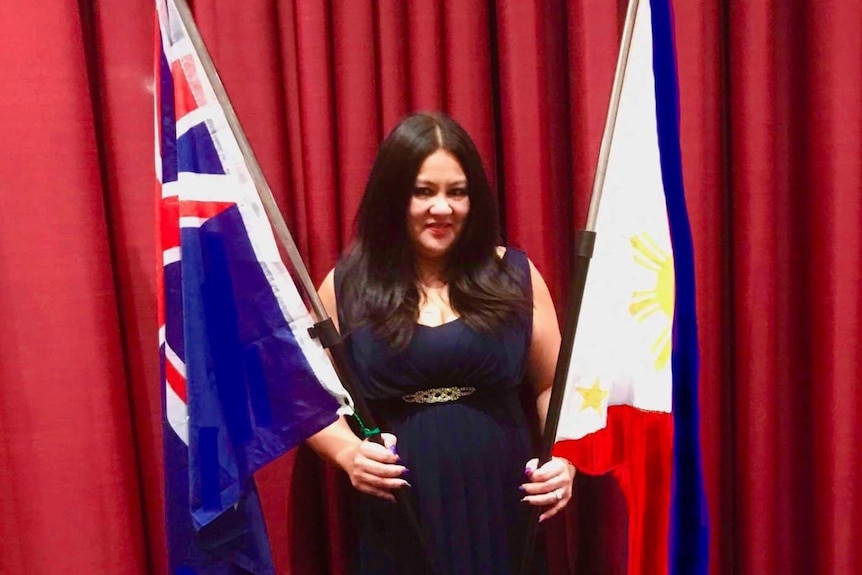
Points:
438	395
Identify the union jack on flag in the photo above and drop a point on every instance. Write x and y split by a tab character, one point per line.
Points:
243	380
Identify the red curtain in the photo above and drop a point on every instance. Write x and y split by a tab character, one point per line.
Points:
770	115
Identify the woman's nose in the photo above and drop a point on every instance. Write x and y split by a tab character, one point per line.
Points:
440	205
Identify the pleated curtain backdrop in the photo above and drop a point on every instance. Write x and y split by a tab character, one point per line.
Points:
770	117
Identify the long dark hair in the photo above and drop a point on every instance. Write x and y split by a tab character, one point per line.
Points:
379	270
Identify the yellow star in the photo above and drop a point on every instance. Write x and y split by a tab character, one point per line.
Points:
593	396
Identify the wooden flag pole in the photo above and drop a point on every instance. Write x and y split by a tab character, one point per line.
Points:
324	329
584	244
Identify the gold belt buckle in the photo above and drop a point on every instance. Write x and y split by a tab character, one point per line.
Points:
438	395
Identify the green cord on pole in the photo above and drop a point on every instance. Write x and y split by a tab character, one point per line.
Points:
365	431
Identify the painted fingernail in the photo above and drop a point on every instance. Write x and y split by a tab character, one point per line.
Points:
393	449
405	474
521	488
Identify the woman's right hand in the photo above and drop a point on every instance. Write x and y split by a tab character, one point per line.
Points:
375	469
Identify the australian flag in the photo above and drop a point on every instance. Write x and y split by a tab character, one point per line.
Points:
243	380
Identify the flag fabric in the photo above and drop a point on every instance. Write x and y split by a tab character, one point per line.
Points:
630	405
243	380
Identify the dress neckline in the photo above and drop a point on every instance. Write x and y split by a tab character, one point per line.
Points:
451	321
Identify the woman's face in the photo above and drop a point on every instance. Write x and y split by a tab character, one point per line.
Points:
438	207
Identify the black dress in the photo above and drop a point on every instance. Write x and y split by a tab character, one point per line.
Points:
465	457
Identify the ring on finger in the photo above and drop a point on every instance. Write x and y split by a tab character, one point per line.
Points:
558	494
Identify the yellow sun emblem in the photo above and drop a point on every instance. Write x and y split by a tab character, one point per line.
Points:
645	303
593	396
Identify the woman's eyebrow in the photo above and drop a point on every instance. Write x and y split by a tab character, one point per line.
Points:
458	182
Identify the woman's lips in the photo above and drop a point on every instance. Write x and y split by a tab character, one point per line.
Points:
438	230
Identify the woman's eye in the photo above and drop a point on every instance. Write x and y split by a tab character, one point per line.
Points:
422	192
458	192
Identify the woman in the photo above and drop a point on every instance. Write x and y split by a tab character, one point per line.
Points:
442	326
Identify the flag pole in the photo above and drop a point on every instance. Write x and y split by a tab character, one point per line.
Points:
324	329
584	244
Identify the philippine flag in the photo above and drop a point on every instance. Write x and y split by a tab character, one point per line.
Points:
630	405
243	380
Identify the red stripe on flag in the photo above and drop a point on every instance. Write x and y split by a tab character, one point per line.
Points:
176	381
637	447
172	209
160	262
203	210
189	94
169	225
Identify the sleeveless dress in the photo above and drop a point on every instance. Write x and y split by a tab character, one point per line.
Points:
465	457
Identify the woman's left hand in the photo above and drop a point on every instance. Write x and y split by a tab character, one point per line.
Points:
550	484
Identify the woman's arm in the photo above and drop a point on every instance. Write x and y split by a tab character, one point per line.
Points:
372	468
544	345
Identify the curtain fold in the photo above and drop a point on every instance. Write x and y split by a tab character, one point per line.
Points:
67	464
770	115
834	113
124	75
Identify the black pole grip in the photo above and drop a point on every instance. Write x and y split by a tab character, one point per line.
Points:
585	242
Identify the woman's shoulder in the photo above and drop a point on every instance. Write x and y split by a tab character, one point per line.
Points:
513	255
516	262
344	266
517	258
327	294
